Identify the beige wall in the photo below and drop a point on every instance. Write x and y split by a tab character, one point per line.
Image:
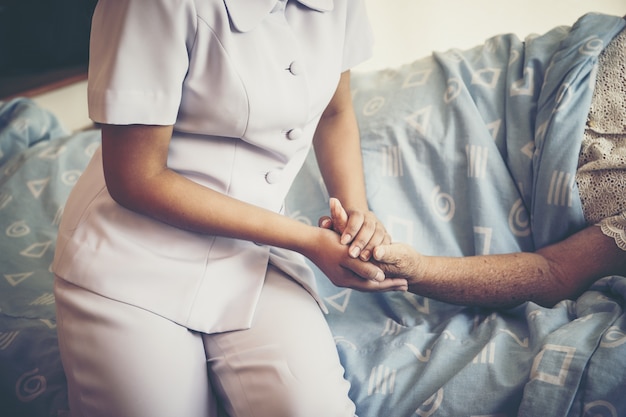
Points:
408	29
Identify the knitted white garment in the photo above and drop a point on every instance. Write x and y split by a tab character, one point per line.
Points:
601	175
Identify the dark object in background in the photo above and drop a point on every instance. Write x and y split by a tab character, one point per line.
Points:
43	36
38	35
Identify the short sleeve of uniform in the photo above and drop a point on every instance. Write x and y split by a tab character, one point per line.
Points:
358	46
138	60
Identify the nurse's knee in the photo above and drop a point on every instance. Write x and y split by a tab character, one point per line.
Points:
301	400
262	382
324	400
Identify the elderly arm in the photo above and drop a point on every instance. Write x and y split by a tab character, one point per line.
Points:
560	271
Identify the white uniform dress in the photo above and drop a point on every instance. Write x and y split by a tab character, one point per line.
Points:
244	82
244	88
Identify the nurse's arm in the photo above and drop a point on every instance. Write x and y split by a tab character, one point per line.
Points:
338	150
137	177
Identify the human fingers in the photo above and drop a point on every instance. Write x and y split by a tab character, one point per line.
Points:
366	271
370	239
349	279
325	222
371	233
381	253
358	282
354	233
397	259
389	284
338	216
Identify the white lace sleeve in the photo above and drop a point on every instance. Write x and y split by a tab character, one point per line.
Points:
601	175
615	227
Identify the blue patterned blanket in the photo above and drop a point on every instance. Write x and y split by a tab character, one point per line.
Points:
466	152
475	152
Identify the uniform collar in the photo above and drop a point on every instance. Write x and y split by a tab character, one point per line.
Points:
246	14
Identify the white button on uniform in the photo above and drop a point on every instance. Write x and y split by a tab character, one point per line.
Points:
294	134
273	176
296	68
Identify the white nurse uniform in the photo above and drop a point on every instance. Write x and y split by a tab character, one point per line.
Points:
244	82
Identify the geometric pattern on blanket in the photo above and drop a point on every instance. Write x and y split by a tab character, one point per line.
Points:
41	164
475	152
404	355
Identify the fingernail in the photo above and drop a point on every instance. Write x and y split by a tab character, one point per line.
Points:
365	255
354	251
345	239
380	276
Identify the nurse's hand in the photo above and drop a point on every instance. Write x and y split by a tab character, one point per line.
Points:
361	230
333	259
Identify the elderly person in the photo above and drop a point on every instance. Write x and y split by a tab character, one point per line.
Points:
555	272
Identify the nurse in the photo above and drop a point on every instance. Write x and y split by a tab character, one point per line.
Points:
180	286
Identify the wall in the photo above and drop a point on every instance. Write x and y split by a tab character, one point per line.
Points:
409	29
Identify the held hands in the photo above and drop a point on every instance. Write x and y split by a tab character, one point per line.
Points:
363	233
398	260
331	256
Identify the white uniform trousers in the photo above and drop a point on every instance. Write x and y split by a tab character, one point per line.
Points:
122	361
